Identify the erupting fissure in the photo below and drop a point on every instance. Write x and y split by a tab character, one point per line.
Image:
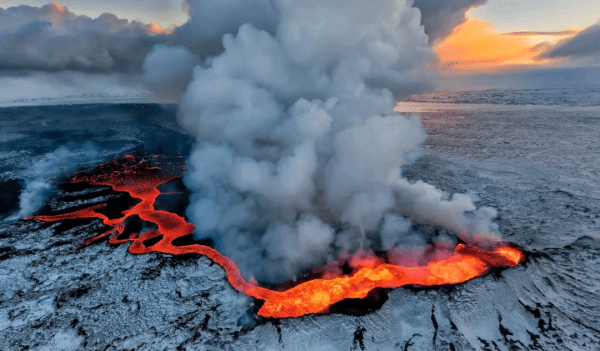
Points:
141	181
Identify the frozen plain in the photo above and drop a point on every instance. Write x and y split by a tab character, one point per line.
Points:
538	165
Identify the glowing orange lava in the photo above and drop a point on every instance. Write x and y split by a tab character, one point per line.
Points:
141	181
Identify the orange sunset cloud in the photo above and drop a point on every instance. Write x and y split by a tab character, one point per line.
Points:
477	47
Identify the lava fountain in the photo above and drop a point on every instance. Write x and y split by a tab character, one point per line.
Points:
141	180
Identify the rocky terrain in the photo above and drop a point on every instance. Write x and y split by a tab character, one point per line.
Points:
537	165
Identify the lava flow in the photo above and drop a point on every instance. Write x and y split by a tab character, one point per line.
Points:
141	181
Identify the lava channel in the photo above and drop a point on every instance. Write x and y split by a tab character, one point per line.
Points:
141	180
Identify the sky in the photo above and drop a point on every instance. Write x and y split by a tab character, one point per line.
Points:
505	15
500	36
467	37
538	15
163	12
508	36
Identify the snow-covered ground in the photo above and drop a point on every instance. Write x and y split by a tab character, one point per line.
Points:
67	88
538	165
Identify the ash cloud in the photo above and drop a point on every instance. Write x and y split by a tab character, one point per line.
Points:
38	178
298	153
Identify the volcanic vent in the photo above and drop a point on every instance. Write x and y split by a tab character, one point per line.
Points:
364	272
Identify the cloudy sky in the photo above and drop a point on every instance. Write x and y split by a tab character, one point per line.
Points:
163	12
505	15
111	40
504	36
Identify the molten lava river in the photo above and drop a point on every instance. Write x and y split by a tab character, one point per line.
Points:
141	181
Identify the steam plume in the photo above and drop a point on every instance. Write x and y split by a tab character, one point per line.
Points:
168	70
39	175
51	39
299	154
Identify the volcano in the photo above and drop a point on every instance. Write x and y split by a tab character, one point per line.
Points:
140	179
100	296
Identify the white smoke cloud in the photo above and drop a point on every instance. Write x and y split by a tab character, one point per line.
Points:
299	154
168	70
297	247
53	39
211	19
39	176
426	204
394	230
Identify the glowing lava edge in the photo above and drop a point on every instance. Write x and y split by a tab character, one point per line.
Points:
141	182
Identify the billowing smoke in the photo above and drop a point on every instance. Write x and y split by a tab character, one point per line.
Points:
210	19
168	70
299	154
52	38
40	175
